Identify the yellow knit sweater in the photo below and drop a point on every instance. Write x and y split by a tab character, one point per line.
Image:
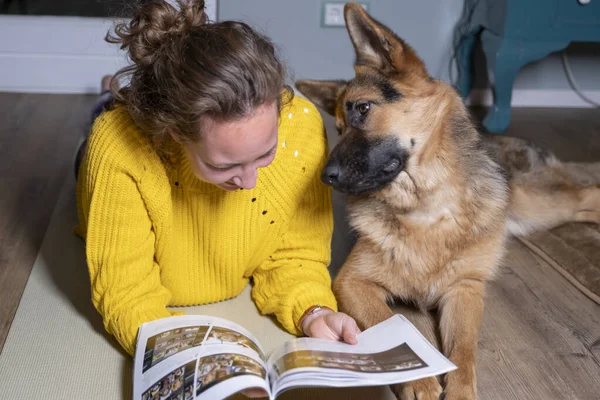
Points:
156	236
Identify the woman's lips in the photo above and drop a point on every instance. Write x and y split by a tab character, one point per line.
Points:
230	185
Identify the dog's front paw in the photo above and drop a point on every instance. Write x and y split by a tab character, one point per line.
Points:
460	392
423	389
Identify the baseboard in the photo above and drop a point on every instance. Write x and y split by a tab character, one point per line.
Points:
565	98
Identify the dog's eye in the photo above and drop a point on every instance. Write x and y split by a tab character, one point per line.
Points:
363	108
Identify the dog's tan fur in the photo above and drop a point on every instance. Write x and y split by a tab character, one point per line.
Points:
436	234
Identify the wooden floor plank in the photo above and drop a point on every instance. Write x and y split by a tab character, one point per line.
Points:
537	334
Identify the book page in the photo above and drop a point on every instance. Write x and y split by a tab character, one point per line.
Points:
194	355
391	352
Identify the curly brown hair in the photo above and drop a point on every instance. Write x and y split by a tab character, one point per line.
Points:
185	67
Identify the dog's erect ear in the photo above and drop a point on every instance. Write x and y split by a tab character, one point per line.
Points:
377	46
323	93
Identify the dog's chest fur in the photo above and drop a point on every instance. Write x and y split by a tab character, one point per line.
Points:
422	244
413	248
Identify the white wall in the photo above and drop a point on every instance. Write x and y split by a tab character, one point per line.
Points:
55	54
58	54
321	53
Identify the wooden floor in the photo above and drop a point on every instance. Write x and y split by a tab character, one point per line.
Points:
540	337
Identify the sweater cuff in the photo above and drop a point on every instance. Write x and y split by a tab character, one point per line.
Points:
309	298
125	329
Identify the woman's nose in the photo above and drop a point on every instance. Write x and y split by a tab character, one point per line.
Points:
248	179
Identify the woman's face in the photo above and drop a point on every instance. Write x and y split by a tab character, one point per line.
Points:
231	152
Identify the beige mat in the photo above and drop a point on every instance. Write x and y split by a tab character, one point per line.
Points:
574	251
57	349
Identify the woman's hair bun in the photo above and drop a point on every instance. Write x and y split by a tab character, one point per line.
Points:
154	24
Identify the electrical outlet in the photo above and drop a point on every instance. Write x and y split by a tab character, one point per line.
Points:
333	13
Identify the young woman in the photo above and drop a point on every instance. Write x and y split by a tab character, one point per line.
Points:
203	176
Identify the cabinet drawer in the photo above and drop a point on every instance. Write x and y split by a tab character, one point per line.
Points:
570	13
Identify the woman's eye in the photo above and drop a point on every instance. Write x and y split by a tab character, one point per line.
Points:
221	168
268	155
363	108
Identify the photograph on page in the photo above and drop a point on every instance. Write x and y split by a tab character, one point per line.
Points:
399	358
218	368
161	346
222	335
176	385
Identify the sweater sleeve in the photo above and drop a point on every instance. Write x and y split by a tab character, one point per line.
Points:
296	276
125	279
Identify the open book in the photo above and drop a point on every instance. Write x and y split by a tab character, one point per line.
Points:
200	357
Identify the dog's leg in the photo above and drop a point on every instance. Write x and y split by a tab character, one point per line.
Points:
461	311
551	196
589	206
586	175
427	388
367	303
357	295
424	320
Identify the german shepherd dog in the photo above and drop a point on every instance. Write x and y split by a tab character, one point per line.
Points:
431	199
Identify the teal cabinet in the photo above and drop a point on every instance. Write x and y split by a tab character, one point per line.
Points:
514	33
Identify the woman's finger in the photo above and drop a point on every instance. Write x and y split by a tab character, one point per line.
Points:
350	330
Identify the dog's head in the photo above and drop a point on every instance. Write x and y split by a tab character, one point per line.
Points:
385	114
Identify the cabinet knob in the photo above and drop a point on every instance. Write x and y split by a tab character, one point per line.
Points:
584	1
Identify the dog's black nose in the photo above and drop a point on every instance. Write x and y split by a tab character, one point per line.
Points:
331	174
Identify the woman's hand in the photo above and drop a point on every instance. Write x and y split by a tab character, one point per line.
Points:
327	324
